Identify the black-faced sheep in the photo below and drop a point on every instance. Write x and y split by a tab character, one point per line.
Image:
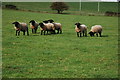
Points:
34	26
57	26
21	27
96	29
80	28
47	27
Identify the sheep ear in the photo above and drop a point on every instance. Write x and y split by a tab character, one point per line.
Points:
14	22
39	23
79	23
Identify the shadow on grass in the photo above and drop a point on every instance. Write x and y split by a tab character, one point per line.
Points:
105	36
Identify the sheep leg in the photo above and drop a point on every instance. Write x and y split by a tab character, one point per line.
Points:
80	35
41	32
54	32
32	31
60	31
27	33
47	32
77	34
44	32
97	34
23	32
16	32
100	34
57	31
83	33
35	30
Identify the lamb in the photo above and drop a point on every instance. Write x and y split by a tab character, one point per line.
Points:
46	27
34	26
57	26
21	27
80	28
96	29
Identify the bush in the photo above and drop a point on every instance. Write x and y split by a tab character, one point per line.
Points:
110	13
11	7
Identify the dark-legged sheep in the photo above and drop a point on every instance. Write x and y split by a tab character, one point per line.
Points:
21	27
57	26
96	29
34	26
46	27
80	29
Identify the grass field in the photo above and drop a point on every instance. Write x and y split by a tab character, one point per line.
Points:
59	56
73	6
63	55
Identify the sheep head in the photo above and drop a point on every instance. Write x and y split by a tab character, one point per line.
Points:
50	20
78	25
41	25
32	21
16	24
91	33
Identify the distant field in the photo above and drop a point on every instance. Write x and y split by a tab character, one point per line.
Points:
73	6
59	56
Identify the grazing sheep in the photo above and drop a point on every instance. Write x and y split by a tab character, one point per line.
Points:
34	26
46	27
96	29
80	28
21	27
57	26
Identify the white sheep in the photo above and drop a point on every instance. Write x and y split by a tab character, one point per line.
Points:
34	26
80	28
96	29
20	27
47	27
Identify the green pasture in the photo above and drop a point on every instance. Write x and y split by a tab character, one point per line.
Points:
74	7
61	55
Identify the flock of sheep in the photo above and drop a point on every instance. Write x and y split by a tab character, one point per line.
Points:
51	26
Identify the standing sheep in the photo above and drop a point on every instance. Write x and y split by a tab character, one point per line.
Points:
80	28
34	26
21	27
46	27
96	29
57	26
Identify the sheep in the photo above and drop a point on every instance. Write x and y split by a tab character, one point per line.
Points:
21	27
46	27
57	26
34	26
80	28
96	29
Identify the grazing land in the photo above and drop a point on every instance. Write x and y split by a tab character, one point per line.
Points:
60	55
74	7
